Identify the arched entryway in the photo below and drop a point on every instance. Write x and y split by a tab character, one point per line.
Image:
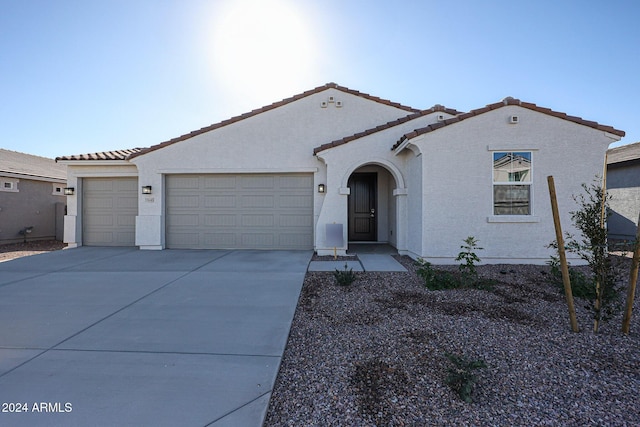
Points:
372	208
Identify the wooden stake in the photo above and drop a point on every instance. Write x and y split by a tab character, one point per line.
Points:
563	258
633	279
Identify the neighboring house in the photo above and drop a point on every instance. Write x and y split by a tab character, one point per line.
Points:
623	184
31	197
276	177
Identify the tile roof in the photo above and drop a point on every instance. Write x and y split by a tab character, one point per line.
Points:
29	165
507	101
624	153
271	107
104	155
388	125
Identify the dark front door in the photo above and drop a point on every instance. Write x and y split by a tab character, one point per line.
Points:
362	207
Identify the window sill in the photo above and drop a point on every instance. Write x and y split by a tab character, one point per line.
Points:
513	218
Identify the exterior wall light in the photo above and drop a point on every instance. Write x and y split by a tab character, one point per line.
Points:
69	191
146	189
321	188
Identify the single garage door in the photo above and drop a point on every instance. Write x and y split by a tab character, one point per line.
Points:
249	211
109	209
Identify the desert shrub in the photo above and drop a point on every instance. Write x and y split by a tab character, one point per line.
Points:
582	285
345	277
466	276
470	258
436	280
461	377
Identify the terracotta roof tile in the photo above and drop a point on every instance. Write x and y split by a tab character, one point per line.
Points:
508	101
271	107
387	125
104	155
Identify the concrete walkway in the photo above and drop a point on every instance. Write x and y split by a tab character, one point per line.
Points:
364	262
117	336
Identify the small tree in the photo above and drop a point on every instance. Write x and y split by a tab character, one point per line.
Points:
468	255
592	247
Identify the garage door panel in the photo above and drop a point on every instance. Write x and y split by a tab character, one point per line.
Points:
303	221
183	202
220	182
184	183
228	201
96	220
257	202
293	182
221	220
296	201
127	202
110	206
98	203
259	241
178	220
257	182
257	221
240	211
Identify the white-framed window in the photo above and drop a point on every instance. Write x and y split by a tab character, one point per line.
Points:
9	185
512	182
58	190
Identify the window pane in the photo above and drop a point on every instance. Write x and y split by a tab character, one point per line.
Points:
512	167
511	200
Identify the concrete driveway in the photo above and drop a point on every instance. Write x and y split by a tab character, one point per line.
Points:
118	336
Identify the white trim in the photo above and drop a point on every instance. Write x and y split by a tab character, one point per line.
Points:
345	191
510	148
57	193
174	171
612	136
13	185
400	192
95	162
377	161
93	174
523	183
513	218
31	177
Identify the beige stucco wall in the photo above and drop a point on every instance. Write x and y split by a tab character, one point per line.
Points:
457	183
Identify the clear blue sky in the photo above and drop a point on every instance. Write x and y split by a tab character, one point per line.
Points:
90	75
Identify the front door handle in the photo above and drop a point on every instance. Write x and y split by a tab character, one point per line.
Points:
373	212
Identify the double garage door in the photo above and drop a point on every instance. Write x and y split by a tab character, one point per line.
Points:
230	211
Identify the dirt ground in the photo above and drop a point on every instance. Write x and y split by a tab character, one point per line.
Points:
19	250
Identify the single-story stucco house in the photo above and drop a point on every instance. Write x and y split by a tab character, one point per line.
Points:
623	184
32	199
373	170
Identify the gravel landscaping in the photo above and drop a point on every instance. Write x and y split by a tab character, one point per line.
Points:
373	353
19	250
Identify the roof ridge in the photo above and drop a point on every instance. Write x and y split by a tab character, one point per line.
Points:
388	125
505	102
122	154
269	107
25	154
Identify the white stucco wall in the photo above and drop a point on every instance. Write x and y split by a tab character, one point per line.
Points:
457	183
362	154
76	172
279	140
